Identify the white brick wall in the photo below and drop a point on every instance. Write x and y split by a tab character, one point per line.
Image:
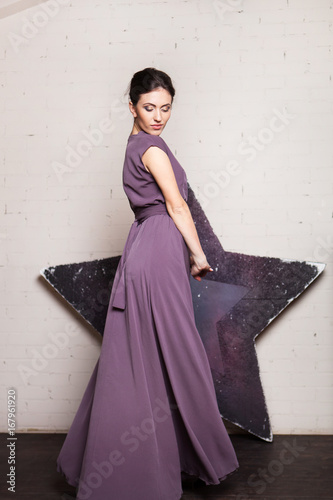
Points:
233	64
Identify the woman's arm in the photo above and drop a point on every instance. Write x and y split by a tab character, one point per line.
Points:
158	164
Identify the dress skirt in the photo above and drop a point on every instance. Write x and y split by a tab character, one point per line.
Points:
149	410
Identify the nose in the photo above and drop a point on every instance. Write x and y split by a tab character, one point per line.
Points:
157	115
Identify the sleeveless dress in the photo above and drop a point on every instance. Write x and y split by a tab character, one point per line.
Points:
149	411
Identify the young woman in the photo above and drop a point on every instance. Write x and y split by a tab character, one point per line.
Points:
149	411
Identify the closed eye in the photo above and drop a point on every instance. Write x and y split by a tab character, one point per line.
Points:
152	109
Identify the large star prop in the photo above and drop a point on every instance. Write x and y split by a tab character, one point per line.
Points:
232	306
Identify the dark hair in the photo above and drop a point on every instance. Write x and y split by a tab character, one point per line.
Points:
146	80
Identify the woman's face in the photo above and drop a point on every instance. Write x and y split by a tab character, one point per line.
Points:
152	111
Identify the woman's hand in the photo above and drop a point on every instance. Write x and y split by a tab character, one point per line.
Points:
199	267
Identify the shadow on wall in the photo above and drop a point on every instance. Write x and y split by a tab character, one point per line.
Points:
10	7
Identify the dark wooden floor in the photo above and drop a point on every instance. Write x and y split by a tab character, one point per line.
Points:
289	468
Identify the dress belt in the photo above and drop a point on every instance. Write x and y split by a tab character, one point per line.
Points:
118	292
142	213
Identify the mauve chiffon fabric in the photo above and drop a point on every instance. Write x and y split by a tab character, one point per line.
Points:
149	410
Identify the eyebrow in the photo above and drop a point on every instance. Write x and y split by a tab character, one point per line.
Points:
151	104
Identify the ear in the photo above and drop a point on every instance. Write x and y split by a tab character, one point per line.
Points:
132	109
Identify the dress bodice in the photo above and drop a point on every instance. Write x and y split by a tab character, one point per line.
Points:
139	184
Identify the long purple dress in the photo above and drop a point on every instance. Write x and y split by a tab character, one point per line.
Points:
149	410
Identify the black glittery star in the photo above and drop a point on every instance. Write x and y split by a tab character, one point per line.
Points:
232	306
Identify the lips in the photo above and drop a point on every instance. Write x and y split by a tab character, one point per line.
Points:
156	126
